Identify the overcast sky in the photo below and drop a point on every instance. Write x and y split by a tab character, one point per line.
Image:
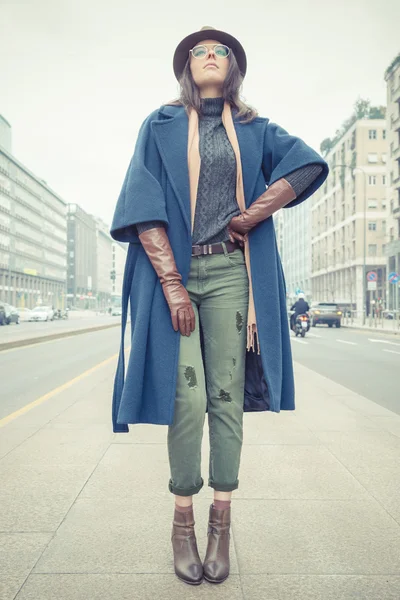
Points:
77	77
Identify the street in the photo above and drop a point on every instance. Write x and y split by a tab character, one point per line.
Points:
364	361
87	513
30	372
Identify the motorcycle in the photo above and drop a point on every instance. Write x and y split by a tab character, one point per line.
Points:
301	325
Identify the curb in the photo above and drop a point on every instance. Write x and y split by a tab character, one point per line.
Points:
54	336
372	329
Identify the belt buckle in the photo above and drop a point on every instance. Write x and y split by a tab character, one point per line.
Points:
196	250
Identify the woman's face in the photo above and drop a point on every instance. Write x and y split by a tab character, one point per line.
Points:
209	73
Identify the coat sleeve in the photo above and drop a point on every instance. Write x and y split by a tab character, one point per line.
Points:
284	154
142	197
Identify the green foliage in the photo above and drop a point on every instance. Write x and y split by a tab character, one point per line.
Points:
362	109
392	66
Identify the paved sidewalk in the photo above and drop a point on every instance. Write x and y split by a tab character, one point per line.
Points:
379	326
86	515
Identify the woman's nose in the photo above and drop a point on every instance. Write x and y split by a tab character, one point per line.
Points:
211	53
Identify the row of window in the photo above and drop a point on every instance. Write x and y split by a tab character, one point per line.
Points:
373	134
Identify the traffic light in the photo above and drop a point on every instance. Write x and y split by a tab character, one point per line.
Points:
113	275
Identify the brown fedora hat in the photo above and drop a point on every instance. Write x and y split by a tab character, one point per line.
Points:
182	51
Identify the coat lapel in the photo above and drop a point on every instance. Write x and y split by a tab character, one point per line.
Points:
251	144
171	137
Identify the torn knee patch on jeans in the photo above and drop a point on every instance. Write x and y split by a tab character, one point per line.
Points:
224	396
239	322
190	376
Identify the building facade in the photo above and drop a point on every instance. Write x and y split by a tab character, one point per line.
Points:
295	231
33	235
104	265
392	77
119	252
82	261
349	220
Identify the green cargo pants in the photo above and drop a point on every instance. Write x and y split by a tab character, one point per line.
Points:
218	288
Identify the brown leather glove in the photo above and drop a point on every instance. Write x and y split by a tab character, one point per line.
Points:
275	197
157	247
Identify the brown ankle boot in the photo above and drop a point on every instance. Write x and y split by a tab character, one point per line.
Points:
216	562
187	561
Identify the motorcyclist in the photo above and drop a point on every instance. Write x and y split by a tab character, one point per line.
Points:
300	307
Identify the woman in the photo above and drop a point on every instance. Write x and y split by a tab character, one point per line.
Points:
205	282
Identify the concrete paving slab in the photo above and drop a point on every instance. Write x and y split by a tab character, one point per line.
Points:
55	447
20	551
328	587
120	536
36	498
124	587
9	586
271	428
391	424
366	407
145	470
143	434
315	537
290	472
12	436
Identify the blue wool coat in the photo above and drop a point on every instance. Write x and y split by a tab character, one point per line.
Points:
156	188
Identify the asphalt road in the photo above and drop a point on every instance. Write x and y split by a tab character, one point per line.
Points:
29	372
364	361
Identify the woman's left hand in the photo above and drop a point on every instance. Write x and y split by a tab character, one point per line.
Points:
240	225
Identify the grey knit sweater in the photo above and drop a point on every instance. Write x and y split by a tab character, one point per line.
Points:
216	202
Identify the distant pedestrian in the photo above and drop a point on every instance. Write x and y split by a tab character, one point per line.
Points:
204	280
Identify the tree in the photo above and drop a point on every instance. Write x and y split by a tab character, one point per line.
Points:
361	108
377	112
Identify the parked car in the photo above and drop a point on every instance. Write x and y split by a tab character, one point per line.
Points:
11	314
42	313
327	313
116	311
24	314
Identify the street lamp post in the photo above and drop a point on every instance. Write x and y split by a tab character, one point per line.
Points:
364	274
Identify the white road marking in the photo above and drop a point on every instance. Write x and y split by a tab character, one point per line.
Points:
383	342
344	342
314	335
298	341
392	351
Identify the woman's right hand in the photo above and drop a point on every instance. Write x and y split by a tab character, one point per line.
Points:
182	313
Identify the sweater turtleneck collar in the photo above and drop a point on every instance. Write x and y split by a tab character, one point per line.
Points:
212	107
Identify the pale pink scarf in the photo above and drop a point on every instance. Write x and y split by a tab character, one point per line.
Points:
194	175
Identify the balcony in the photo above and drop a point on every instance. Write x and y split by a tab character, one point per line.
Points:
396	212
396	183
396	153
396	95
395	124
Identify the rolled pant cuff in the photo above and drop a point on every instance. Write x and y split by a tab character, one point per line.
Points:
224	487
185	492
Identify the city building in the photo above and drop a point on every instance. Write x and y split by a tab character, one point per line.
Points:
294	245
119	251
392	77
33	234
349	220
82	259
104	265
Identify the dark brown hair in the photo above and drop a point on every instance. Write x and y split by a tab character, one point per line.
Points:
190	93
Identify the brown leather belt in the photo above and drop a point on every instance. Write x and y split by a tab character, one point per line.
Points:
214	248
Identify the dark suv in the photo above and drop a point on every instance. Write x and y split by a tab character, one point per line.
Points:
327	313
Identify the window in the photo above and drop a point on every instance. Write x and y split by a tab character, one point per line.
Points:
383	204
372	203
372	157
372	249
383	226
383	179
372	226
383	249
384	157
372	134
371	179
384	134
